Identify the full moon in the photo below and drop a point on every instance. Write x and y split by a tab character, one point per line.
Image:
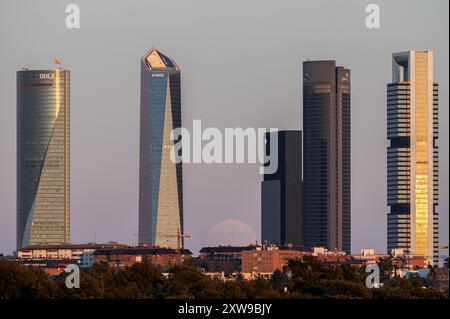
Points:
231	232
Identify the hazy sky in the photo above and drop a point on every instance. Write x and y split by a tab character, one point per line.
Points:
240	67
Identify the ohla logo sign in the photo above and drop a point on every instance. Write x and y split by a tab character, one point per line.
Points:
47	76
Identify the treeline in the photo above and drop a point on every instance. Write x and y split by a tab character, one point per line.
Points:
309	279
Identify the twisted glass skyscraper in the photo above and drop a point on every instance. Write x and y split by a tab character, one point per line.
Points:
412	155
160	179
43	157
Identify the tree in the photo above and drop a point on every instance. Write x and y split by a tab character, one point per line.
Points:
20	282
310	279
259	288
386	265
185	279
279	280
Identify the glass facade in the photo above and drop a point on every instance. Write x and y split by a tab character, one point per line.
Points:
160	189
43	157
282	193
413	155
326	159
422	164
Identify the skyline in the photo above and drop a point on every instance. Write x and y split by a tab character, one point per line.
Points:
162	105
247	174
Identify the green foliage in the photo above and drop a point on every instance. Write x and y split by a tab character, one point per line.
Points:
415	288
306	279
185	282
386	265
211	265
17	281
279	280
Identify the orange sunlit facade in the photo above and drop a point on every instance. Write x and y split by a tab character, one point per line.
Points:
413	155
422	164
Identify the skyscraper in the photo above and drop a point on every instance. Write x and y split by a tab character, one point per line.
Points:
326	159
160	179
412	155
281	192
43	157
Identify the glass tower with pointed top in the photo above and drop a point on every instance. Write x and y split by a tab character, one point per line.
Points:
160	179
43	157
412	155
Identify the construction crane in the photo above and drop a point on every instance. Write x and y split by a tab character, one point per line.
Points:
179	237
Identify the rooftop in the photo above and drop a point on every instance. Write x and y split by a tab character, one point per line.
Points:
141	251
43	246
155	60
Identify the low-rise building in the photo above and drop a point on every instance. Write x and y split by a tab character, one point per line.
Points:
87	259
404	259
255	275
126	257
267	259
62	251
321	252
225	257
368	256
52	267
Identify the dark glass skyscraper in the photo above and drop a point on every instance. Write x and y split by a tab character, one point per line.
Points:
412	155
160	179
281	192
43	157
326	129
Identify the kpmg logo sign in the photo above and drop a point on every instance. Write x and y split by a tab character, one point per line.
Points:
157	75
47	76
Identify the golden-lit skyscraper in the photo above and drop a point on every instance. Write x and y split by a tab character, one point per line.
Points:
43	157
412	155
